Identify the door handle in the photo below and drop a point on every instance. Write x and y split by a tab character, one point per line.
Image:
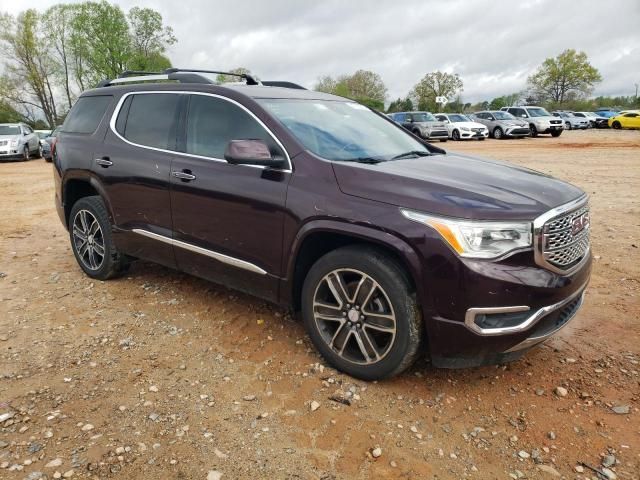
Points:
104	162
184	175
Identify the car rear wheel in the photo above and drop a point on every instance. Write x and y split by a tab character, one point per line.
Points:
455	135
361	314
40	152
25	153
92	242
498	133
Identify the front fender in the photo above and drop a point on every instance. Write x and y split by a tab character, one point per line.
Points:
369	234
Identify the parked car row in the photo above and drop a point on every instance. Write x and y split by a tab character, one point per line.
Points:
18	141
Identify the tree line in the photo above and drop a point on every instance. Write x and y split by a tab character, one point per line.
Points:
51	57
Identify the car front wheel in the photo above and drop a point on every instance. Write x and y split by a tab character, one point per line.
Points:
534	130
455	135
497	133
91	240
556	133
617	125
361	314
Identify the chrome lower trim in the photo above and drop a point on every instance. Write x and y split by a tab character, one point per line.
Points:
470	316
531	341
235	262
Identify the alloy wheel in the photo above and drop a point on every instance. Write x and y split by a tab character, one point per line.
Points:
88	240
354	316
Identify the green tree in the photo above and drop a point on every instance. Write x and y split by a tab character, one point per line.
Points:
569	72
153	62
400	105
29	74
8	114
435	84
149	35
363	86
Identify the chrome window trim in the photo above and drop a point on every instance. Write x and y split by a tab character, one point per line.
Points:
116	112
235	262
538	225
530	321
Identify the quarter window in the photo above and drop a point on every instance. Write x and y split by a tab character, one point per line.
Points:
86	114
151	120
212	123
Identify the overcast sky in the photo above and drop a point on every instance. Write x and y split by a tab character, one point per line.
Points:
493	44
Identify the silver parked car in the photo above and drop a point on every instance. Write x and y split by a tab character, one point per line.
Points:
571	122
422	124
502	124
18	141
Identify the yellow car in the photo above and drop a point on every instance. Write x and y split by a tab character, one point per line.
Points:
626	119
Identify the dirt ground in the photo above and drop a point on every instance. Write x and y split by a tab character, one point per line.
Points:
158	375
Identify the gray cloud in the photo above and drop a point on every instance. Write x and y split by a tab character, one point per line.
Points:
493	45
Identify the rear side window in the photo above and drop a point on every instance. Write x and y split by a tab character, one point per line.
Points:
150	120
86	114
212	123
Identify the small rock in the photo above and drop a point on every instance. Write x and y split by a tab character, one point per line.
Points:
561	391
539	391
610	475
551	435
54	463
376	452
86	427
153	388
153	417
3	338
314	405
57	475
524	455
579	468
608	461
3	444
5	416
549	469
34	476
393	464
249	398
68	474
621	409
214	475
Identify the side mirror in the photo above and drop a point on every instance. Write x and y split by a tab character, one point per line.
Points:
491	118
524	115
251	152
410	120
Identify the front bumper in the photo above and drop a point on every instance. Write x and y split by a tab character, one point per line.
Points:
517	131
474	134
548	128
11	154
435	134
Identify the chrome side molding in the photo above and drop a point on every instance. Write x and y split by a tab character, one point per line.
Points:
235	262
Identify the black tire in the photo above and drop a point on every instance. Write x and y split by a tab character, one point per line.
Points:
455	135
25	153
40	152
403	347
617	125
534	130
498	134
443	139
556	133
113	262
567	126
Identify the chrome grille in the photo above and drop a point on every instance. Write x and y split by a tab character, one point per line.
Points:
565	238
3	143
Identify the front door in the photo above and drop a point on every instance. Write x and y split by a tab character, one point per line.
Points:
227	219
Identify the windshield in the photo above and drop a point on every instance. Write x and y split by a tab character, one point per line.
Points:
423	117
458	118
503	116
9	130
538	112
342	131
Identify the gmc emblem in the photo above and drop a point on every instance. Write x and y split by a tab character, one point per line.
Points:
580	223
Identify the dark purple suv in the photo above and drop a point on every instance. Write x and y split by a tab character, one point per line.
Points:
388	246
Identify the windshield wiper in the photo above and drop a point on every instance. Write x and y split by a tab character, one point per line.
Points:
369	160
417	153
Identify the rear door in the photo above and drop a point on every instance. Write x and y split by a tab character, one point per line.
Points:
227	219
133	165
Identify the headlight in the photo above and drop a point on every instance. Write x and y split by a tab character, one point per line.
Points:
465	129
478	239
14	142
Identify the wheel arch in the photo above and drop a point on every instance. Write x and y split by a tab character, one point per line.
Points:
77	186
318	238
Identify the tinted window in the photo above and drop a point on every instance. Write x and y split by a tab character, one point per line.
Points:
152	120
400	117
86	114
212	123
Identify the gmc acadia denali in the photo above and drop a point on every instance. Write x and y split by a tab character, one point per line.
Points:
387	245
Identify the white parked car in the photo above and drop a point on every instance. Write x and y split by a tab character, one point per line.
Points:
461	127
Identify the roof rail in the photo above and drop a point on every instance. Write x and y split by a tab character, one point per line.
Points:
188	75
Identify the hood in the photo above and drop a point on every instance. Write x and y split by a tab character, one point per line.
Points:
515	122
468	124
436	124
456	186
